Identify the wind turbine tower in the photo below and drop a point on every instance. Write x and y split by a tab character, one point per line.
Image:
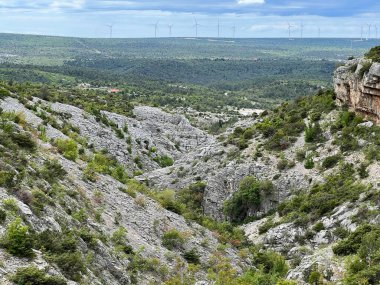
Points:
290	30
233	31
170	29
369	31
302	26
361	35
156	29
319	32
196	27
218	27
376	30
111	30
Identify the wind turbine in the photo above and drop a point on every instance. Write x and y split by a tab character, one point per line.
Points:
290	30
302	26
196	27
170	29
233	31
369	31
156	28
319	32
361	36
111	29
376	31
218	27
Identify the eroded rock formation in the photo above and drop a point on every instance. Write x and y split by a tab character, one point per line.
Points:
359	87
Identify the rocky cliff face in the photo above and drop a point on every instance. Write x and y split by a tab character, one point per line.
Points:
357	84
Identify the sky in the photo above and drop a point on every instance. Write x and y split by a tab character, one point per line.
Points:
242	18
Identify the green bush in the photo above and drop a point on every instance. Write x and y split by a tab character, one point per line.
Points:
52	171
365	68
24	140
164	161
68	148
318	227
300	155
71	264
172	239
53	242
168	201
313	133
33	276
374	54
246	198
4	93
6	178
17	239
331	161
271	263
192	256
3	216
309	162
39	200
353	242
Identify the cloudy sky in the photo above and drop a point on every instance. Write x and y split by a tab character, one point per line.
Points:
136	18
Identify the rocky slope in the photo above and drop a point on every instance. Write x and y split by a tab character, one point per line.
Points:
100	207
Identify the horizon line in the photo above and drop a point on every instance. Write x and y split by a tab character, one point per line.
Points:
184	37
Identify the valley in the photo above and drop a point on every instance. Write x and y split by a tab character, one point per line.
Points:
164	181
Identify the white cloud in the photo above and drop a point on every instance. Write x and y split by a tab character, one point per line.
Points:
73	4
250	2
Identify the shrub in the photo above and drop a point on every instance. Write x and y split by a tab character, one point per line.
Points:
17	239
54	242
3	216
6	178
331	161
39	200
33	276
341	232
164	161
374	54
168	201
309	163
318	227
246	198
282	164
365	68
192	196
4	93
24	140
71	264
68	148
119	238
248	134
172	239
313	133
362	171
271	263
300	155
52	171
353	68
192	256
266	226
352	243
